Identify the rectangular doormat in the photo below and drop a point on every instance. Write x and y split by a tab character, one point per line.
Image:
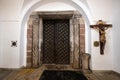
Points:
62	75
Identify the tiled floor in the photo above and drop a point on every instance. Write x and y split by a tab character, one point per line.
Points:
21	74
4	73
103	75
34	74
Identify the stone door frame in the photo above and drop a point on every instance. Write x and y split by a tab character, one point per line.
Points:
35	22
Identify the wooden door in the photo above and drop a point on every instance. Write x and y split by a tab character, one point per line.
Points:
56	41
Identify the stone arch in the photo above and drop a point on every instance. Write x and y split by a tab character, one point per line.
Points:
28	10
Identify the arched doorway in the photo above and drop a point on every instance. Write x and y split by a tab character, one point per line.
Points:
36	5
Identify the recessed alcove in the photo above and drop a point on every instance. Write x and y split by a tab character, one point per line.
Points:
75	38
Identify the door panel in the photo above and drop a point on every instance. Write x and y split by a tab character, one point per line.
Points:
48	42
62	42
56	48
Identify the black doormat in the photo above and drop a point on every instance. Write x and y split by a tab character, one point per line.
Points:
62	75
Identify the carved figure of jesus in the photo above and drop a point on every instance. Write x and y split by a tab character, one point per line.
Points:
102	39
101	26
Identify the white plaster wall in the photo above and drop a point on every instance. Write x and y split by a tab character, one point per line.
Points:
9	30
10	55
1	44
10	10
101	10
52	7
116	35
102	62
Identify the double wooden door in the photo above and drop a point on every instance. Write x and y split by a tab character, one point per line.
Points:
56	41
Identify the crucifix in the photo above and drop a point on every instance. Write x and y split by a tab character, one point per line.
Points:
101	26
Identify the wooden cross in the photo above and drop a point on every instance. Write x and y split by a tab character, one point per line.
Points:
101	26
